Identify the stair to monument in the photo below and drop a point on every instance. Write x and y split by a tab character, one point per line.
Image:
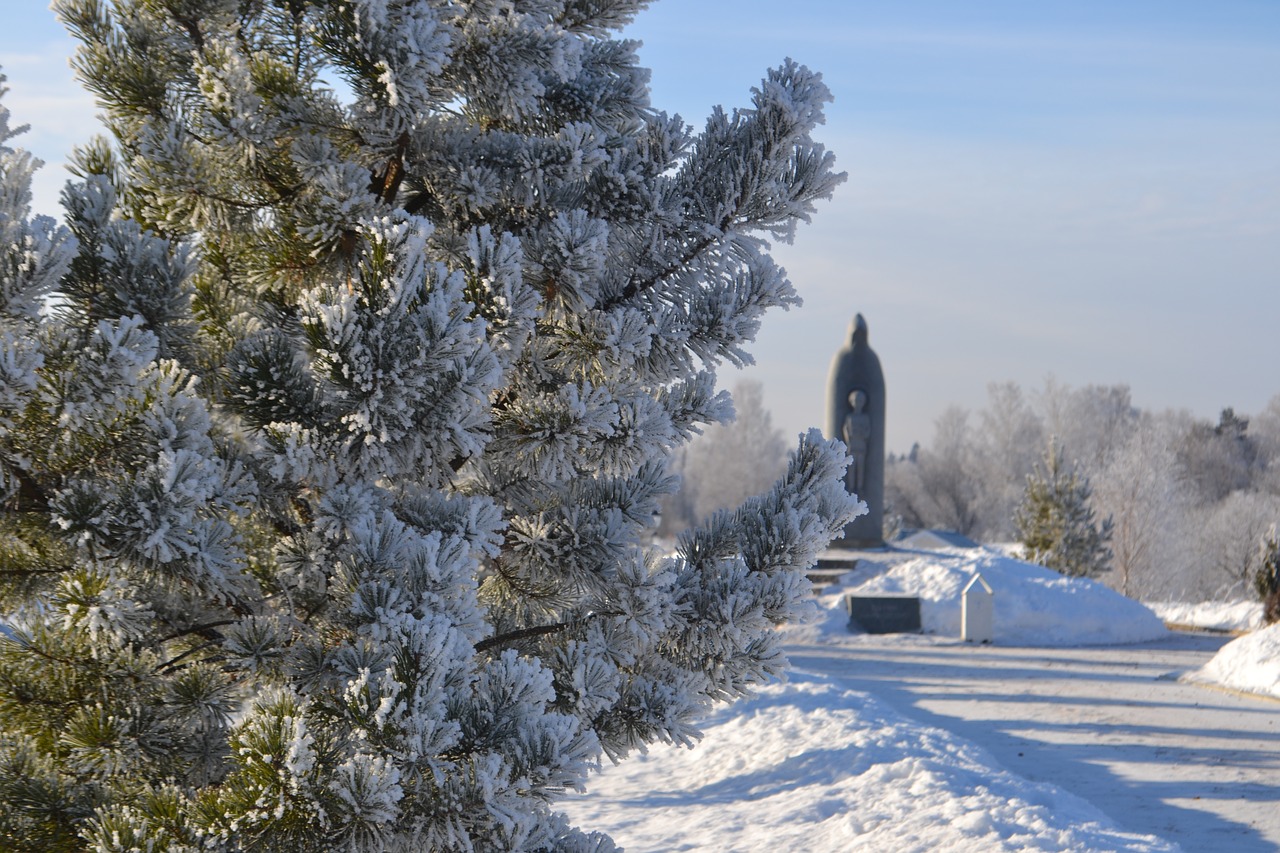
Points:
828	570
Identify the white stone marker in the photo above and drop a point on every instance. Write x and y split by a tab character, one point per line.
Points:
976	611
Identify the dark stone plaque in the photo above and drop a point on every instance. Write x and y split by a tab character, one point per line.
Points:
899	615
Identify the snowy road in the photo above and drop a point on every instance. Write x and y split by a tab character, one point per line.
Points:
1112	725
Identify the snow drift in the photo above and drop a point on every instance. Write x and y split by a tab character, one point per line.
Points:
1034	606
1251	663
809	765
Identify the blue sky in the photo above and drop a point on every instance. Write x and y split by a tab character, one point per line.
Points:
1087	189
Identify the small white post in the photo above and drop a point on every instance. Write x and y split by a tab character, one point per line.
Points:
977	611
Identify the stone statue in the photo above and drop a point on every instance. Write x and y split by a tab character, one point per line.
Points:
855	415
856	434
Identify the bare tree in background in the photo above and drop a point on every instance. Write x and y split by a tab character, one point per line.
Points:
729	463
1009	444
1265	430
1219	459
1094	421
1223	545
1140	491
940	487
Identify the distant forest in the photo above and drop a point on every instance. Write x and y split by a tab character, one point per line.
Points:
1190	500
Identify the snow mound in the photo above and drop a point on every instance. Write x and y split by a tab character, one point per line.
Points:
1251	663
1213	615
810	766
1034	606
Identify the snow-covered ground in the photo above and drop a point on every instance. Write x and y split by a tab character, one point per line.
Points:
1211	615
813	765
810	766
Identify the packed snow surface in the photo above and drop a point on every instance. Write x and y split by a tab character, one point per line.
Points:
1034	606
1251	663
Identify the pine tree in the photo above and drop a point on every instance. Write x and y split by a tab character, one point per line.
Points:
328	466
1055	522
1267	578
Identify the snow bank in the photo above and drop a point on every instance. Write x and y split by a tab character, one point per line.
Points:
1034	606
1213	615
810	766
1251	663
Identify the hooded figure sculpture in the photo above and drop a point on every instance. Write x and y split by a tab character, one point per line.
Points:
855	415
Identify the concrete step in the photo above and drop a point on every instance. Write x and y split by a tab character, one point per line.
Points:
828	570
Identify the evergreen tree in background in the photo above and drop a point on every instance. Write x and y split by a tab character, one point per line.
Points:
1267	579
328	465
1055	522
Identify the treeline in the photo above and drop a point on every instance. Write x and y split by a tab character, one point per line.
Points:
1190	500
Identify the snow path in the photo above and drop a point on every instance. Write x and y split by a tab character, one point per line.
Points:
1112	725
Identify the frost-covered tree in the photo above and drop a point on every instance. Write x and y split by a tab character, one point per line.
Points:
939	486
1009	443
1139	490
1222	545
1264	428
1055	522
328	469
1218	460
1095	420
